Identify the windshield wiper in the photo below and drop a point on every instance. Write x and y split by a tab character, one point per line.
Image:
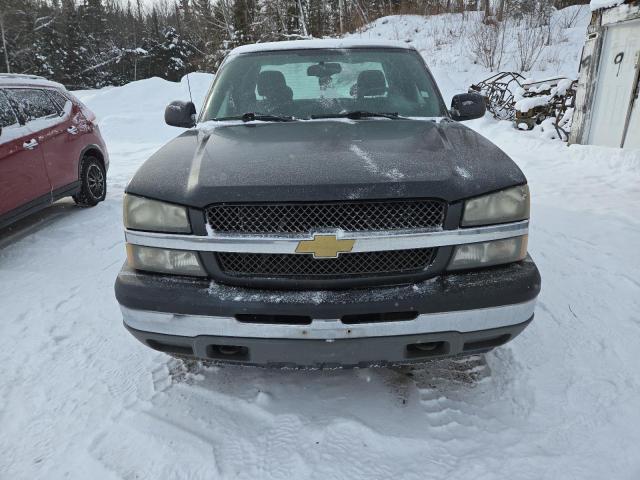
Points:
358	114
265	117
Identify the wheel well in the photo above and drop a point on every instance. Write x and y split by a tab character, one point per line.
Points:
96	153
91	151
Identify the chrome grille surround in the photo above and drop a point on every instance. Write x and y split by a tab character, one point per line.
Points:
212	244
365	241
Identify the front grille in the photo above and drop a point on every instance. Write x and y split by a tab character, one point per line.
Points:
388	262
312	217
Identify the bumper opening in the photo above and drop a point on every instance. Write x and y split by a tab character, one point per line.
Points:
170	347
227	352
379	317
273	319
485	344
427	349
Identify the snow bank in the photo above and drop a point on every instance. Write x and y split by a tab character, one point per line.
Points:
444	42
126	113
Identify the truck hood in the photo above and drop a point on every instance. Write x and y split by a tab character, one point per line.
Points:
325	160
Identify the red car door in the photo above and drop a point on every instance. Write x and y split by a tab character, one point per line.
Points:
66	148
50	124
23	177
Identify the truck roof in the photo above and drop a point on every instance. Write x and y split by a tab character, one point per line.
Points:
319	44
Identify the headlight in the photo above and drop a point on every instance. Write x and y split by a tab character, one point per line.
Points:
152	215
160	260
486	254
510	205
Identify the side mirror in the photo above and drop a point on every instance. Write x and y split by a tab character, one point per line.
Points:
180	114
467	106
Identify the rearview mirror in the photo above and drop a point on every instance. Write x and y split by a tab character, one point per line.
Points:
467	106
323	69
180	114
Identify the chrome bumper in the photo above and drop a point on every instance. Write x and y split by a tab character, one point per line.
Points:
329	329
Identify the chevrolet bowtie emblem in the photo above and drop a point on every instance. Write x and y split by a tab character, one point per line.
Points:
325	246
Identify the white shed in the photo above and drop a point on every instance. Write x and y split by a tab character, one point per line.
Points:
607	99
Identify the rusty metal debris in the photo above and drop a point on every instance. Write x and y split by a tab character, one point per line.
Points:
509	96
499	91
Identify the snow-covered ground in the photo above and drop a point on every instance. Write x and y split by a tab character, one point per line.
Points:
445	41
80	398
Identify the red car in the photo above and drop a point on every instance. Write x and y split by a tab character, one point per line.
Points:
50	147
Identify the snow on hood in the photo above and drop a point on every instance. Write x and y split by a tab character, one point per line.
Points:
321	161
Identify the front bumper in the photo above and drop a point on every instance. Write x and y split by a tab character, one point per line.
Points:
342	353
446	315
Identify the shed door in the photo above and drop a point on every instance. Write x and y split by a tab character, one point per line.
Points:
616	77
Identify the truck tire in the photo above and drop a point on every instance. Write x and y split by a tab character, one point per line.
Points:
93	182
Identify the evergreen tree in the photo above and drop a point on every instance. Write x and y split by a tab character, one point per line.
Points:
48	46
91	43
74	52
173	54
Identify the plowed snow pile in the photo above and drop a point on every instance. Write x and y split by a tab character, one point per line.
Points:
81	399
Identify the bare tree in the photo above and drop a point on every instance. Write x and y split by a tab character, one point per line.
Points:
363	13
4	43
487	8
487	44
570	16
530	41
500	12
303	23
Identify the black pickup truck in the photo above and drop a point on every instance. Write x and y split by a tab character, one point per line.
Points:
325	209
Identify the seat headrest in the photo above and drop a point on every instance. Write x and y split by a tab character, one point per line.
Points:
370	83
270	83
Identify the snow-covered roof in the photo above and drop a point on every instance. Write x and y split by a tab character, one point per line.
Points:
32	80
319	44
598	4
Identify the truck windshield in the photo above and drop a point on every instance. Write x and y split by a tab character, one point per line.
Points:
303	84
